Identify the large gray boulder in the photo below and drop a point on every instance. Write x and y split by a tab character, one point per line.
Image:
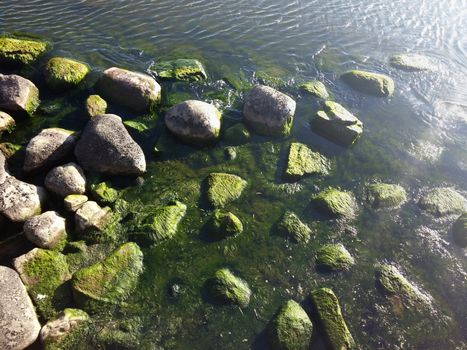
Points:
106	146
194	122
46	230
19	326
18	95
66	179
268	112
136	91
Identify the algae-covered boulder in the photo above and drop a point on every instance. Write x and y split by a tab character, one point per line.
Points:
291	226
411	62
327	309
7	123
291	328
224	188
91	217
334	257
268	112
95	105
104	194
381	195
18	96
109	282
73	202
226	288
303	161
62	73
180	69
336	203
442	201
337	124
20	51
223	224
315	88
46	230
66	179
237	134
369	83
459	231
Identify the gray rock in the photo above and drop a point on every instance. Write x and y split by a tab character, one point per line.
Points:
18	95
66	179
47	148
106	146
95	105
133	90
370	83
195	122
268	112
90	216
73	202
3	168
443	201
411	62
46	230
7	123
19	326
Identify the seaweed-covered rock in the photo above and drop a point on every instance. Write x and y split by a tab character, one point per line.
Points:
224	188
109	282
46	230
291	328
337	124
369	83
19	326
7	123
91	217
73	202
47	148
327	309
459	231
66	179
19	96
106	146
334	257
223	224
61	73
315	88
103	193
180	69
95	105
336	203
226	288
268	112
411	62
303	161
20	51
442	201
237	134
382	195
136	91
291	226
194	122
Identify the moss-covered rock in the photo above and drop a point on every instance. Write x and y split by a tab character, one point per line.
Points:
459	231
369	83
180	69
291	226
336	203
104	194
19	97
381	195
91	218
20	51
303	161
411	62
223	224
95	105
334	257
226	288
109	282
73	202
442	201
237	134
327	309
223	188
315	88
61	72
7	123
9	149
291	328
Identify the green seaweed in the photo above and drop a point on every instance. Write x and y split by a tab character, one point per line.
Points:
17	50
382	195
334	257
291	226
336	203
61	72
223	188
223	224
227	288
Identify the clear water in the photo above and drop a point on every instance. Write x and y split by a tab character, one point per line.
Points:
417	138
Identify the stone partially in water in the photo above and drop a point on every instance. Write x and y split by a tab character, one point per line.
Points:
315	88
61	73
369	83
411	62
20	51
18	96
226	288
95	105
224	188
46	230
66	179
91	217
291	328
291	226
303	161
334	257
336	203
382	195
180	69
459	231
7	123
442	201
237	135
104	194
223	224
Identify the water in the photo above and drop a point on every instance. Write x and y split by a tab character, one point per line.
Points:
416	138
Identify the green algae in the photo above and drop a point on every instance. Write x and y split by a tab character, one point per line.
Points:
336	203
442	201
291	226
21	51
180	69
61	73
334	257
237	134
315	88
303	161
369	83
459	231
104	194
223	224
226	288
95	105
223	188
9	149
382	195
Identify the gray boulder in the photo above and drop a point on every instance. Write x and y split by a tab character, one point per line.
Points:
369	83
7	123
3	168
18	95
46	230
66	179
90	216
411	62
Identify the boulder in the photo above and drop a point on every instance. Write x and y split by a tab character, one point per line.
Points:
291	226
382	195
459	231
180	69
226	288
19	96
303	161
237	135
106	146
62	73
369	83
291	328
73	202
194	122
136	91
442	201
7	123
91	217
95	105
20	51
3	168
48	148
411	62
19	326
334	257
104	194
10	149
337	124
223	224
336	203
268	112
315	88
66	179
46	230
224	188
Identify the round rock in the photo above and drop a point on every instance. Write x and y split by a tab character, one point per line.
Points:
19	95
66	179
46	230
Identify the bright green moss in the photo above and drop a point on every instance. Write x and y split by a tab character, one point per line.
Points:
63	72
382	195
442	201
291	226
268	79
226	288
237	134
334	257
336	203
369	83
20	50
223	224
95	105
104	194
303	161
459	231
315	88
10	149
180	69
136	125
223	188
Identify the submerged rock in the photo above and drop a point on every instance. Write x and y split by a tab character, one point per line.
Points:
226	288
336	203
61	73
7	123
95	105
19	96
369	83
443	201
103	193
337	124
459	231
223	224
224	188
66	179
411	62
73	202
106	146
268	112
291	226
291	328
382	195
109	282
303	161
315	88
46	230
327	309
20	51
180	69
237	135
91	217
334	257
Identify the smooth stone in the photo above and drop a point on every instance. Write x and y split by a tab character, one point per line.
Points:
268	112
442	201
180	69
303	161
19	96
20	51
459	231
411	62
224	188
382	195
237	135
7	123
3	168
226	288
95	105
334	257
66	179
315	88
46	230
90	216
73	202
336	203
62	73
291	226
106	146
370	83
223	224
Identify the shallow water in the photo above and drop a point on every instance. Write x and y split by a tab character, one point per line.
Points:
416	138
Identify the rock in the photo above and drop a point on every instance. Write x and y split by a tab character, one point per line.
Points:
369	83
46	230
66	179
73	202
91	217
315	88
459	231
48	148
334	257
291	328
7	123
104	194
136	91
223	224
19	200
65	331
19	96
237	134
291	226
226	288
106	146
194	122
180	69
303	161
442	201
109	282
327	309
95	105
20	51
224	188
268	112
337	124
3	168
9	149
336	203
411	62
230	153
382	195
62	73
19	326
